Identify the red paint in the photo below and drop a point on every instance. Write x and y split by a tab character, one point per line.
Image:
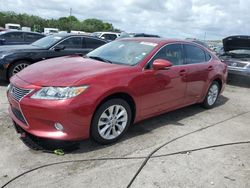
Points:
153	91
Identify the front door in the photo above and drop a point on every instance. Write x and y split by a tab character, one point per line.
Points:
164	89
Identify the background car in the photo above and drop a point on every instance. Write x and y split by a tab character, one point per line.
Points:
237	55
129	35
15	58
122	82
19	37
110	36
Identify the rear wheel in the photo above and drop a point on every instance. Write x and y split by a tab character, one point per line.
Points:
212	95
17	67
111	121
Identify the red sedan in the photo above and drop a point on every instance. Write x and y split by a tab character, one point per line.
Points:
125	81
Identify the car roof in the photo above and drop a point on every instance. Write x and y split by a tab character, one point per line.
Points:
156	40
18	31
107	32
64	35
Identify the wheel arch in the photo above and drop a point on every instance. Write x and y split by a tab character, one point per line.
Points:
31	61
121	95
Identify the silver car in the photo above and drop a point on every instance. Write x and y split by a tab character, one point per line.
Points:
237	55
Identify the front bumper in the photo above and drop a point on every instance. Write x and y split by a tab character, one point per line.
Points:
239	71
37	117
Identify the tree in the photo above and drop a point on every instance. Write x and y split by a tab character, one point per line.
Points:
64	23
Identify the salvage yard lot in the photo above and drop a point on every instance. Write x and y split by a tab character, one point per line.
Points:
227	166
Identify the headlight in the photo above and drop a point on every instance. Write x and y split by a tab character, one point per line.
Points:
58	93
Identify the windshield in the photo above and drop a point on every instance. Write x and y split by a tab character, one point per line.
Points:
123	52
46	41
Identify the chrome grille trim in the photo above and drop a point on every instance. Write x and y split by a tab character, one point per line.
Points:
19	93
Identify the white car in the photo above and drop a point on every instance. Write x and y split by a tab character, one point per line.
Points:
106	35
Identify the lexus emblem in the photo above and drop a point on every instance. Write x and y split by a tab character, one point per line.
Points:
234	64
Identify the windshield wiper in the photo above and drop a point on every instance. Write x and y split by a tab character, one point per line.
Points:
100	59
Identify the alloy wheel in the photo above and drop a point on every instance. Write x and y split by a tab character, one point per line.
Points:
19	67
212	94
112	122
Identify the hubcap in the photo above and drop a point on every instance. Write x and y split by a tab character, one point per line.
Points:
112	122
212	94
19	67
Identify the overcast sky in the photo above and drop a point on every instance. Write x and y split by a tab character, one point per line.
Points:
168	18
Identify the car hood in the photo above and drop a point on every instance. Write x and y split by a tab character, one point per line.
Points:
66	71
236	43
11	48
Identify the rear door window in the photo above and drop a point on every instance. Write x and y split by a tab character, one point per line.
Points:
194	54
30	37
72	43
93	43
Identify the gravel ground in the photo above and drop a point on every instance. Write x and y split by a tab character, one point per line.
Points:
227	166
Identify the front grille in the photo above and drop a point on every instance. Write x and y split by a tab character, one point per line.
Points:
18	115
18	93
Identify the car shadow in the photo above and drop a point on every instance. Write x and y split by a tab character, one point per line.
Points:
148	125
240	81
3	83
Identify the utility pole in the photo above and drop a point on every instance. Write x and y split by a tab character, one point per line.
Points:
205	35
70	12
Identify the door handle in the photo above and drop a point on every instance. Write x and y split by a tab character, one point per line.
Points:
183	72
210	68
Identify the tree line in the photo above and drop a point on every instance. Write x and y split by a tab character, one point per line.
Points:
64	23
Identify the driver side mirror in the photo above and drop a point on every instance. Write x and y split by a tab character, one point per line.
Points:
59	47
161	64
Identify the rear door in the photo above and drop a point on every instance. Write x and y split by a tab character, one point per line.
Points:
198	68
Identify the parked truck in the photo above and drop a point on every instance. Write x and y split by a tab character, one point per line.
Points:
11	26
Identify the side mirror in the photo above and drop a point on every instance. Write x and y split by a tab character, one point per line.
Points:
161	64
59	48
102	37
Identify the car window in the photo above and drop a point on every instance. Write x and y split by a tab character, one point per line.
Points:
71	43
109	36
13	37
172	53
194	54
93	43
30	37
208	56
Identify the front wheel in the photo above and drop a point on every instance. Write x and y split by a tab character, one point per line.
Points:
111	121
212	95
17	67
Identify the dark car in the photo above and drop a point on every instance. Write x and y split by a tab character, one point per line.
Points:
15	58
19	37
237	55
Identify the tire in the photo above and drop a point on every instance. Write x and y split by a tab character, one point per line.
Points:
17	67
212	95
107	128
